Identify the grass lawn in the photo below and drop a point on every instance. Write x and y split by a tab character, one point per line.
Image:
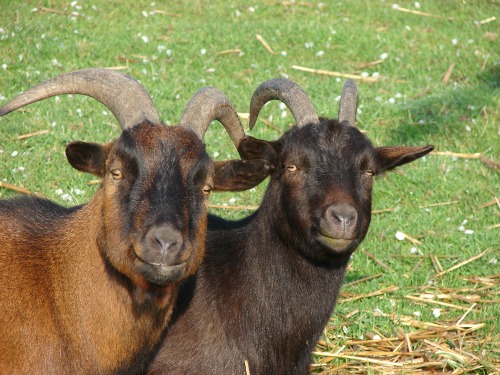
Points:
422	291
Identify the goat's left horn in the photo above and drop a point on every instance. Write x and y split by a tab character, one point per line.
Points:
209	104
121	94
348	105
287	92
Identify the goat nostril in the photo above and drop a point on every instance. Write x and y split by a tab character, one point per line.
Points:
343	214
163	243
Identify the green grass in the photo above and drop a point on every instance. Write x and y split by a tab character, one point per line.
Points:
410	104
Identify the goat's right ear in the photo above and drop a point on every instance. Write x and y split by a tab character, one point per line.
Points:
391	157
88	157
239	175
251	148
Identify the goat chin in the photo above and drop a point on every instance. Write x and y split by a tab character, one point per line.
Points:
335	244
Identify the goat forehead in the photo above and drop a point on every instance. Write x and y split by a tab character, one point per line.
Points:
157	146
327	143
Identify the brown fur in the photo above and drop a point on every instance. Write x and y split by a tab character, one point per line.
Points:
74	297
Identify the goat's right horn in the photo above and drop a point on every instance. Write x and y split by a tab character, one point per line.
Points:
121	94
348	105
288	92
209	104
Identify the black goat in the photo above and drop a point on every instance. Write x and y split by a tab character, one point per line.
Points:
268	283
89	289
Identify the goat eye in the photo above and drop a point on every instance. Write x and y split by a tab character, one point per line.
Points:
207	189
291	167
117	174
370	172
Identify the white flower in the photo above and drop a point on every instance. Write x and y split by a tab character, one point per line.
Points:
14	153
308	44
145	39
59	191
284	114
283	53
216	154
395	6
469	231
400	236
417	5
376	337
384	56
232	200
4	66
392	100
416	313
320	53
251	9
454	41
66	197
436	313
203	51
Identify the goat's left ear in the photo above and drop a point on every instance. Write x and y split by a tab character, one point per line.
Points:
88	157
239	175
391	157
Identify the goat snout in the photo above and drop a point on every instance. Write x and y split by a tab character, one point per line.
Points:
338	226
340	221
163	245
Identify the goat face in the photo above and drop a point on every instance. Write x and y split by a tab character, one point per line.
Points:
322	176
156	181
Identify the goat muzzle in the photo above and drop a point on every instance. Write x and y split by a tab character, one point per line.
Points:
162	254
338	226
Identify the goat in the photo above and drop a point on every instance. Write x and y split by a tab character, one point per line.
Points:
89	289
269	282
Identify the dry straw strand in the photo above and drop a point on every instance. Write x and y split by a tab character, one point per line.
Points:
335	74
461	264
265	44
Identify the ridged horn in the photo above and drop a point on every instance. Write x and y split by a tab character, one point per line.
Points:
209	104
349	102
121	94
288	92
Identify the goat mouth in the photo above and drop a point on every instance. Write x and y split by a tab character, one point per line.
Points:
162	274
338	244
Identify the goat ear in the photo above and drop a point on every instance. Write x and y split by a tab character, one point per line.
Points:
251	148
239	175
88	157
391	157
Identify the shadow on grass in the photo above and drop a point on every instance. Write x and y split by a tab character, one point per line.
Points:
442	117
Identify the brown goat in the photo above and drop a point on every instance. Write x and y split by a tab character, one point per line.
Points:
268	283
89	289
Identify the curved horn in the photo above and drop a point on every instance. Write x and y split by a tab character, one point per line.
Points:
349	102
209	104
121	94
289	93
